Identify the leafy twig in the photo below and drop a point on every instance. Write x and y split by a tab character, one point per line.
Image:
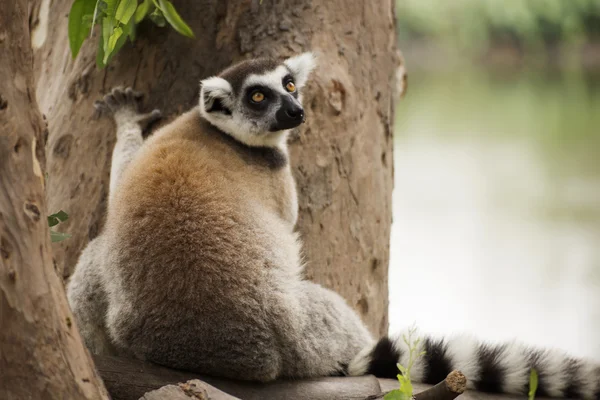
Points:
533	383
406	389
118	20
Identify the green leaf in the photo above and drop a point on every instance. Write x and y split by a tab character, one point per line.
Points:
129	30
158	18
110	7
120	42
100	53
96	9
112	40
406	386
396	395
533	383
175	19
121	39
58	236
79	25
112	43
56	218
142	11
107	29
125	11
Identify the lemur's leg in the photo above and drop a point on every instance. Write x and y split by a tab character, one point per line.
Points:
324	333
87	298
124	106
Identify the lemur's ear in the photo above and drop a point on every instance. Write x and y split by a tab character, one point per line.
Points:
215	95
301	67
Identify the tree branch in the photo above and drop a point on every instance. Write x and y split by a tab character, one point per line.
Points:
450	388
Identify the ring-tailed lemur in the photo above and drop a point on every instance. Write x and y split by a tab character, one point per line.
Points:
199	266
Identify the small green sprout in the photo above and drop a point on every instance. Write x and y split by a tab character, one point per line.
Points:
406	389
533	383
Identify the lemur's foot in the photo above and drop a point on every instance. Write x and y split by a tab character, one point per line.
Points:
124	105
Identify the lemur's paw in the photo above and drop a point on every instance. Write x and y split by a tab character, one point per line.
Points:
124	105
119	99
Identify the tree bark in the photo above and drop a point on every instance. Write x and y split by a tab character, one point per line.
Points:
342	157
41	353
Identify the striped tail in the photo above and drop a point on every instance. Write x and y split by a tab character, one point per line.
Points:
492	368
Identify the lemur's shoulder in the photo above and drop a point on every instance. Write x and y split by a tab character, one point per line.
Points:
191	159
193	132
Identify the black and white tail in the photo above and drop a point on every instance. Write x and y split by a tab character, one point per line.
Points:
496	368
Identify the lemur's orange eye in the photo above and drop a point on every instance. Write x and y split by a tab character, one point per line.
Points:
290	87
258	97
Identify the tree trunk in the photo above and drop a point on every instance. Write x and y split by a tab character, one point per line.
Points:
41	353
342	158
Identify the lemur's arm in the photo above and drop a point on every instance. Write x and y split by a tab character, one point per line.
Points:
124	105
86	293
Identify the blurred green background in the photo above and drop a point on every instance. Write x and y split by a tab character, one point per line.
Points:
476	28
497	171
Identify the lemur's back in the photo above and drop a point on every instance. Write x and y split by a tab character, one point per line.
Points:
187	245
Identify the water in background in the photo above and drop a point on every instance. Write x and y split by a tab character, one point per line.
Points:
496	226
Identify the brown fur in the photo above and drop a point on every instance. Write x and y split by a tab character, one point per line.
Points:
183	154
182	211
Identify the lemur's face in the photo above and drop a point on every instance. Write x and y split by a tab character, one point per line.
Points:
257	101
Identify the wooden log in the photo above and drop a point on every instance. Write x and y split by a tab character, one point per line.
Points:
194	389
128	379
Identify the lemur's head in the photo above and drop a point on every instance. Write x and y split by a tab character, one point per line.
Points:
257	101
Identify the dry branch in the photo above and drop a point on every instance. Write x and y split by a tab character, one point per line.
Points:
450	388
